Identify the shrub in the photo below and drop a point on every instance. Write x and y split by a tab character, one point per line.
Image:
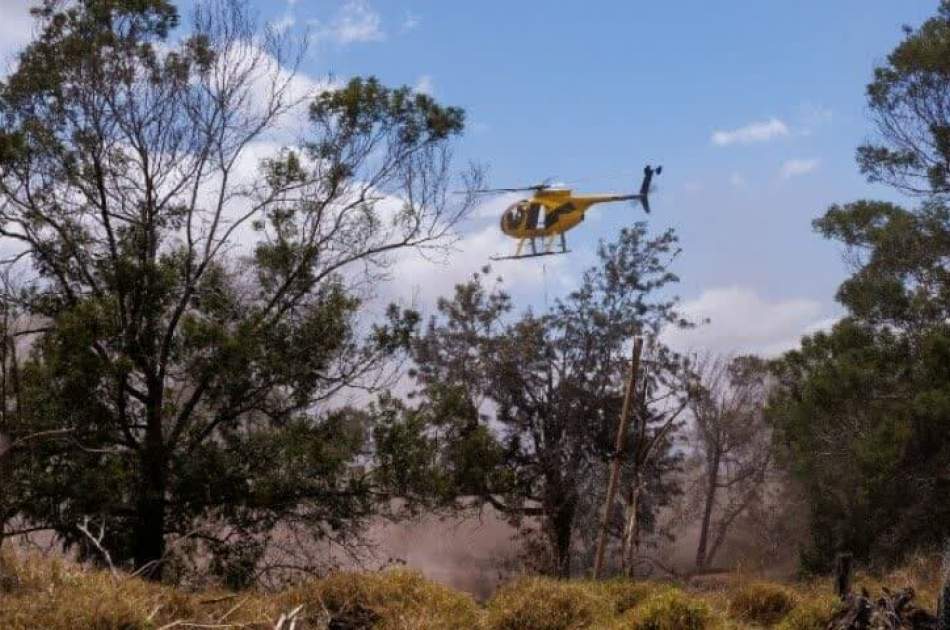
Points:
58	596
391	600
625	594
669	609
545	604
761	602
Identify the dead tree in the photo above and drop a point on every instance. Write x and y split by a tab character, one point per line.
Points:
733	445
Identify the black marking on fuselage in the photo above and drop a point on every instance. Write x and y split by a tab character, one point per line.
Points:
555	215
534	210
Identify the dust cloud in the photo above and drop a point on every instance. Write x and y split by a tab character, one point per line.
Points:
469	554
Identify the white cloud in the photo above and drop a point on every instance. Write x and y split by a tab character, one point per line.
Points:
263	73
811	117
356	22
425	85
762	131
423	280
737	180
793	168
742	321
410	23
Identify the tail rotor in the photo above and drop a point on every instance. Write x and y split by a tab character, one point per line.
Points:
644	196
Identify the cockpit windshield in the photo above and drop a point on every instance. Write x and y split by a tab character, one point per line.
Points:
521	215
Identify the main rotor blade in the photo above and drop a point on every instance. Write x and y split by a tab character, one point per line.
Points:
502	190
536	187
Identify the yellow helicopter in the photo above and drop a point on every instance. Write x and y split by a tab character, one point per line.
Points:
562	211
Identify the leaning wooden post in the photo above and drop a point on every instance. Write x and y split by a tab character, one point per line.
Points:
614	479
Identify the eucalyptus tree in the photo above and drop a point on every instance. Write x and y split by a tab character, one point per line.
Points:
864	409
197	227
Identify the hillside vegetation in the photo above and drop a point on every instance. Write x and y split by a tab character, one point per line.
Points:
43	593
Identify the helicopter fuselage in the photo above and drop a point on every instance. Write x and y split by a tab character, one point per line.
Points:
550	212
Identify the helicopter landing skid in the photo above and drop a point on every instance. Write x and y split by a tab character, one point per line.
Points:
538	255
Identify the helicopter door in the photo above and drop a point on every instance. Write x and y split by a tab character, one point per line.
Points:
534	212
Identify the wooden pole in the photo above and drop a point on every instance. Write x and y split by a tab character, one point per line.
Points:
614	479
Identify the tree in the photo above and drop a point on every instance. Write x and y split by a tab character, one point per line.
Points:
14	446
908	103
200	307
537	397
864	410
732	445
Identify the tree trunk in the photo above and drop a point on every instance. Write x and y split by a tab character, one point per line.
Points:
707	512
149	537
560	525
630	546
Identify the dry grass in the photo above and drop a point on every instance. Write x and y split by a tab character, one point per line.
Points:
48	593
763	603
670	609
40	593
544	604
395	599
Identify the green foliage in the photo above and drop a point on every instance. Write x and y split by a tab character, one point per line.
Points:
907	99
901	279
193	372
864	410
863	413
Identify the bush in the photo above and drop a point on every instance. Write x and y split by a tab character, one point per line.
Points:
54	595
390	600
761	603
545	604
670	609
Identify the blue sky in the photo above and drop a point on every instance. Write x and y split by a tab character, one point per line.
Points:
587	92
